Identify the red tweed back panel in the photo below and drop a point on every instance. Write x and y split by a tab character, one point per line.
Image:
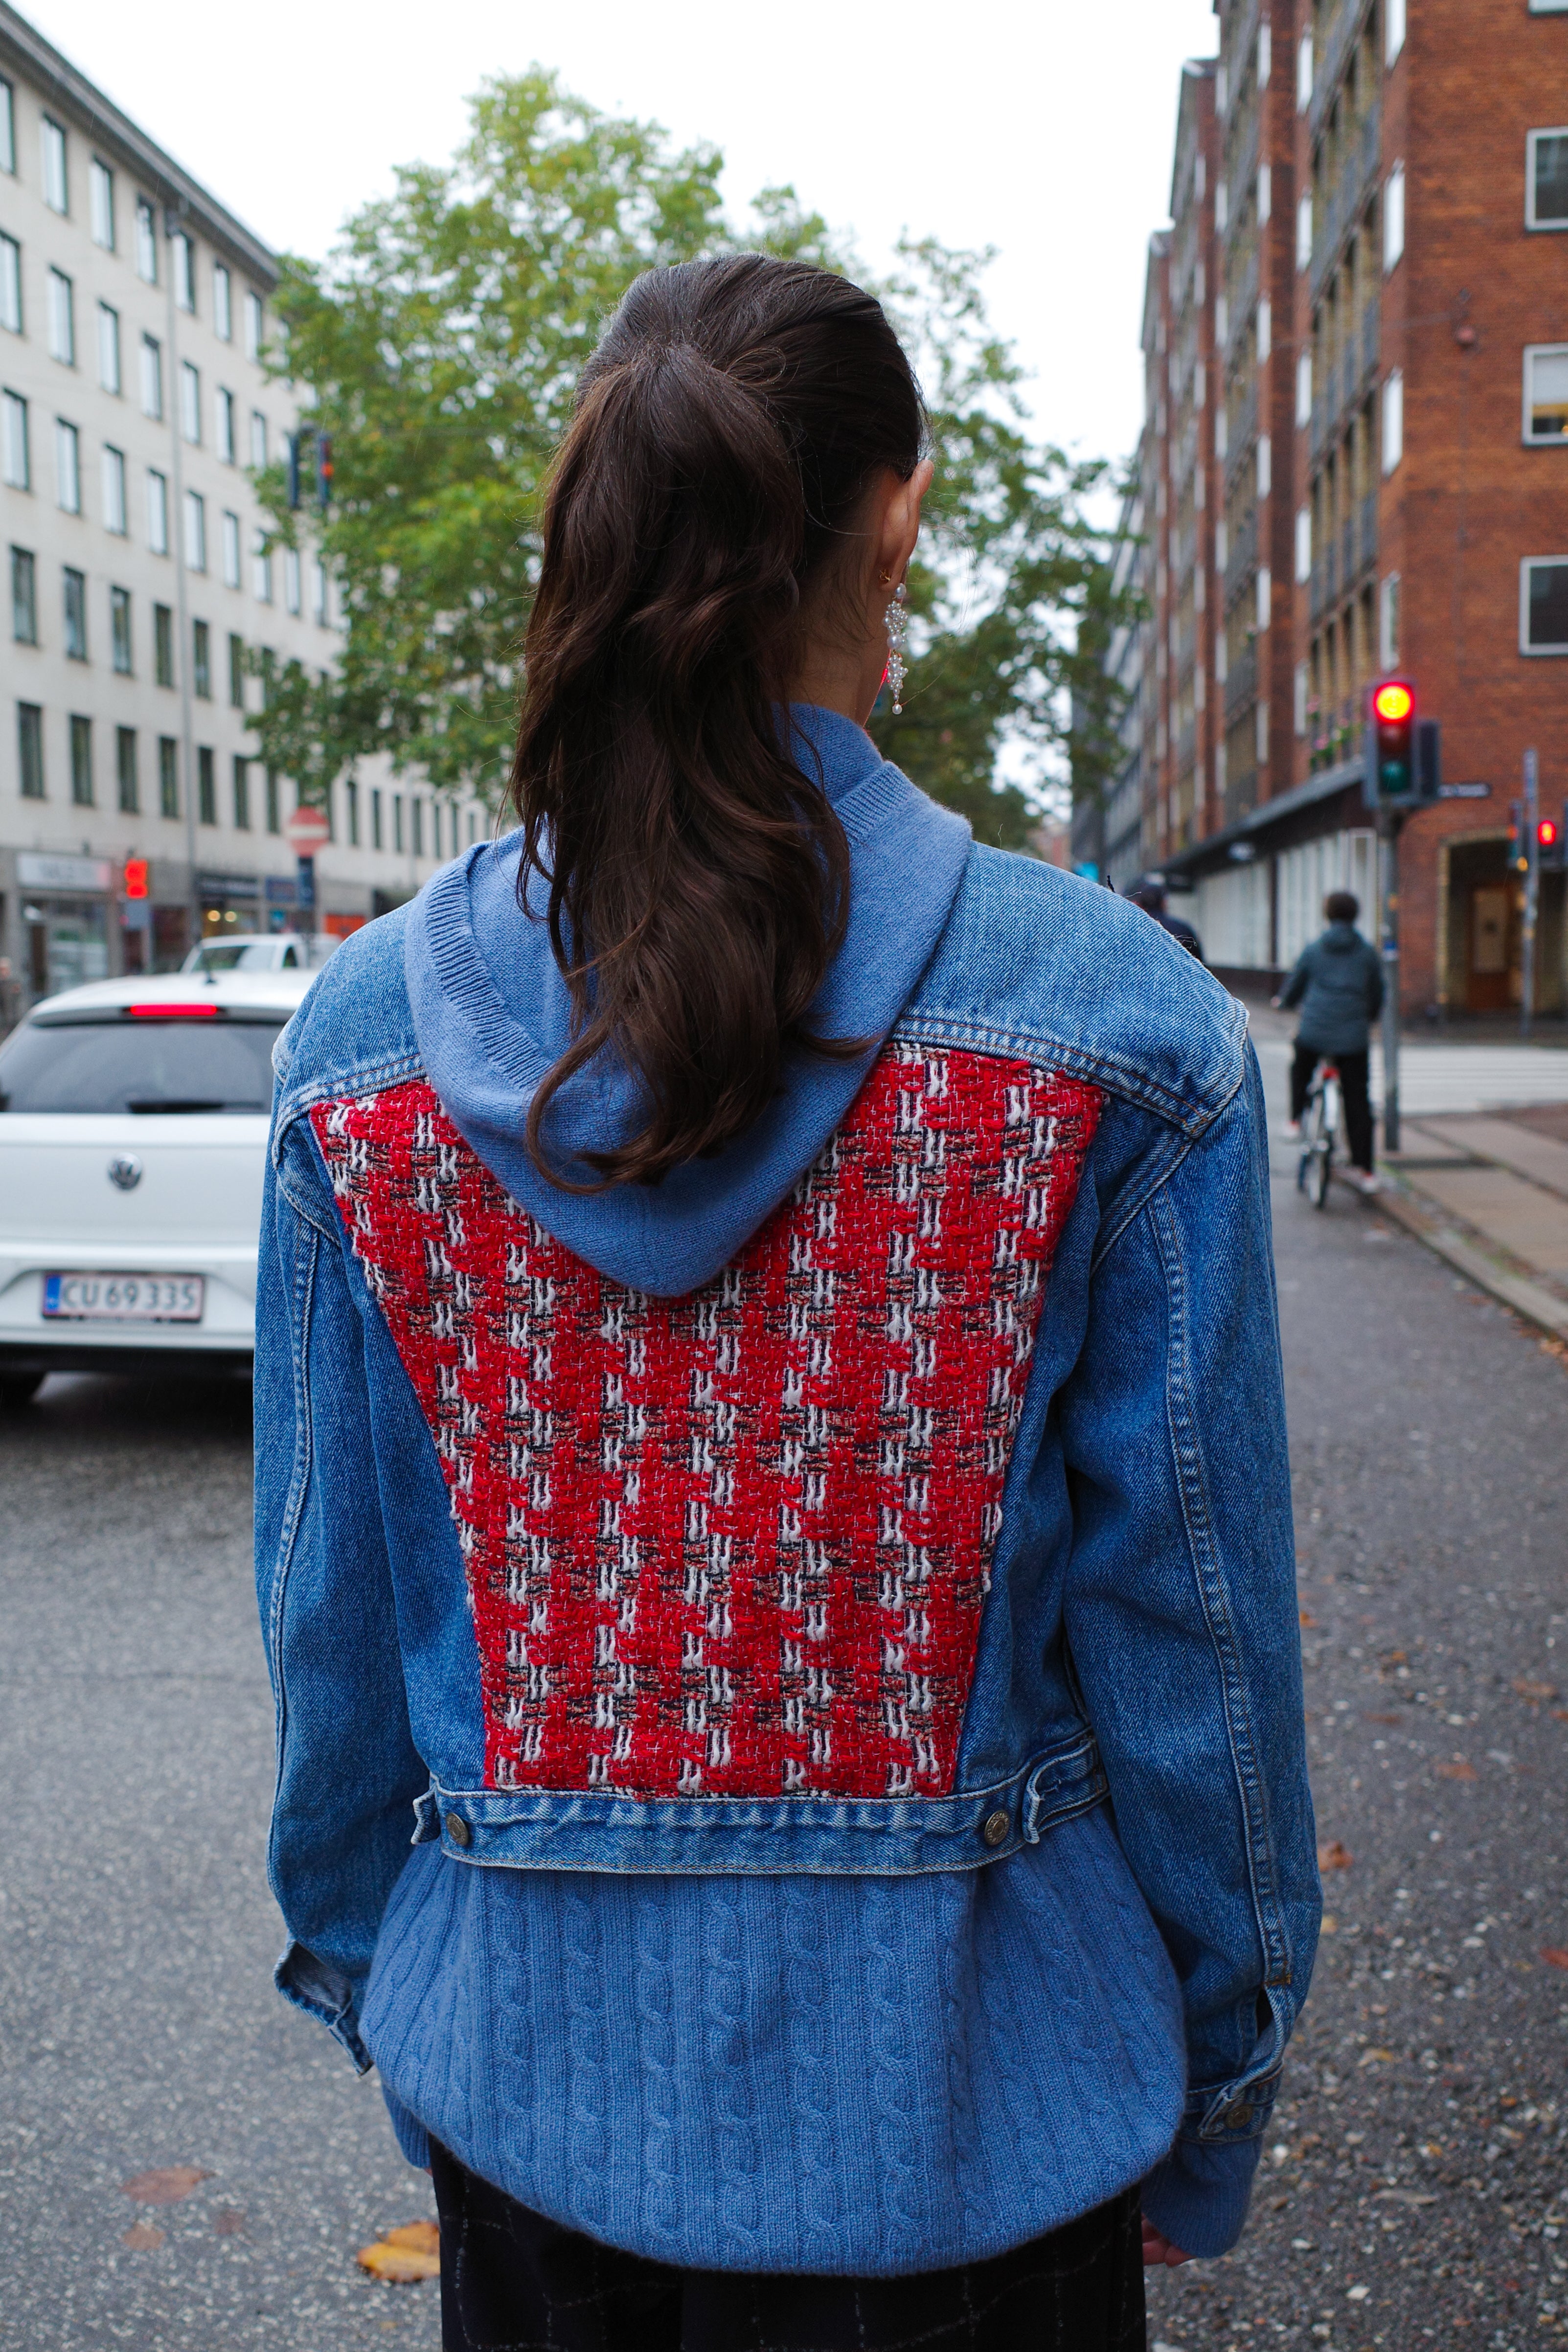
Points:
736	1543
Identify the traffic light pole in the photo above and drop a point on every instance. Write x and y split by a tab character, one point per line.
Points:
1389	825
1531	887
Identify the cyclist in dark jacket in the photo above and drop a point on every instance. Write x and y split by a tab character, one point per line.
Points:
1151	897
1338	983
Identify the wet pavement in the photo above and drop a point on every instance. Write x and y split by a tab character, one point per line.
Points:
1414	2186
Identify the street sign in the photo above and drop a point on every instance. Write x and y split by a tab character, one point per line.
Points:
307	830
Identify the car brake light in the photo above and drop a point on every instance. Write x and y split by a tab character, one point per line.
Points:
173	1012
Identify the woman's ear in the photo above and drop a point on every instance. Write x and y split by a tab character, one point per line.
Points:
900	521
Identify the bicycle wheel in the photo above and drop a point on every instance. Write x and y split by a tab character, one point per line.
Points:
1318	1160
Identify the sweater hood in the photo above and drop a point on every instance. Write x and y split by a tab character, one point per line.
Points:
1340	938
492	1015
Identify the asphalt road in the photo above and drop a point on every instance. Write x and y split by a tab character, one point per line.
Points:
1418	2166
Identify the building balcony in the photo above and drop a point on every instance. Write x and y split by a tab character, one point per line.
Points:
1241	686
1243	436
1243	560
1347	199
1339	31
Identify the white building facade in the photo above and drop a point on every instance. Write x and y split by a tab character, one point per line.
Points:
135	408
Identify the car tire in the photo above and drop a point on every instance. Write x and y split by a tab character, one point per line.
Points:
17	1389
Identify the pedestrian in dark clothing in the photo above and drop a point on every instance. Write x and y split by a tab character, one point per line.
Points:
1338	983
1151	897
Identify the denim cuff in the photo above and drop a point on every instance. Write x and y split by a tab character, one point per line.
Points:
412	2137
323	1992
1198	2197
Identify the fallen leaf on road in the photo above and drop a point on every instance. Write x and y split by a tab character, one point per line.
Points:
1330	1926
1332	1855
413	2251
1394	1720
171	2186
1537	1693
1554	1956
1459	1771
142	2237
1375	2058
1308	1619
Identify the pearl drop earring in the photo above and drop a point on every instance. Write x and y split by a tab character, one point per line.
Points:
897	622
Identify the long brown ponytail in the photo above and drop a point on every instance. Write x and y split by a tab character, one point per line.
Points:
726	429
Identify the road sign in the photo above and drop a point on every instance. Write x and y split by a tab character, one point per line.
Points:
307	830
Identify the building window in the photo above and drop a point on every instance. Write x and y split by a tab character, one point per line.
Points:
100	198
1264	465
1298	706
10	284
82	762
1304	73
1265	194
163	644
1265	598
258	439
201	661
292	579
7	126
1392	218
351	793
241	794
376	816
1265	53
230	550
274	811
397	821
1303	544
1543	604
1303	233
191	401
253	326
152	376
62	318
146	242
206	784
128	786
1304	386
236	672
168	776
1260	722
319	591
107	348
184	255
68	467
15	458
417	810
157	511
1392	420
24	596
30	749
74	601
119	630
56	188
1392	30
226	425
262	568
1546	180
1264	330
1388	622
1546	392
1548	8
196	531
114	490
223	303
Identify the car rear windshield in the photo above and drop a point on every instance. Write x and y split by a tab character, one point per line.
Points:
139	1065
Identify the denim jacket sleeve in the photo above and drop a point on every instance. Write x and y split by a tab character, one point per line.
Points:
348	1770
1181	1617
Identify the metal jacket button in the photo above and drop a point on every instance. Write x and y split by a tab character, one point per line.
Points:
458	1830
1237	2117
994	1828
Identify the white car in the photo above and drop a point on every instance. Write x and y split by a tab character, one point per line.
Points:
134	1118
262	951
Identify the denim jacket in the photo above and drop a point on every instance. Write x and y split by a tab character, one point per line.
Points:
1041	1927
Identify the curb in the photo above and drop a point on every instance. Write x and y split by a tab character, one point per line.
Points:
1525	1297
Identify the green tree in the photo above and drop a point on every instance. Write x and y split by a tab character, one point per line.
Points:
438	347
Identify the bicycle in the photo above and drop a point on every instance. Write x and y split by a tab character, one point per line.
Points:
1320	1134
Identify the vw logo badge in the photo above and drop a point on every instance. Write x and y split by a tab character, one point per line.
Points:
125	1171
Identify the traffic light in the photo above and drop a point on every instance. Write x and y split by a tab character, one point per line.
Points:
323	471
136	877
1393	740
1552	843
1518	849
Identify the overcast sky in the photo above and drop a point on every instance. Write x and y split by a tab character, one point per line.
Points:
1036	126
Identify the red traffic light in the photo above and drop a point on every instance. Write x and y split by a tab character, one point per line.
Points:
1393	703
1547	833
136	877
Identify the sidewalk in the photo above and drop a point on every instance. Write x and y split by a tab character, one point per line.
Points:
1482	1172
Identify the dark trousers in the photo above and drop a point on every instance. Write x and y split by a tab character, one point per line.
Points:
1352	1069
511	2281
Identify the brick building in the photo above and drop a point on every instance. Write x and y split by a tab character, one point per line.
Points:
1388	469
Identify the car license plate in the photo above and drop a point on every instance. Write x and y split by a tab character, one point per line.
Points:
123	1298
